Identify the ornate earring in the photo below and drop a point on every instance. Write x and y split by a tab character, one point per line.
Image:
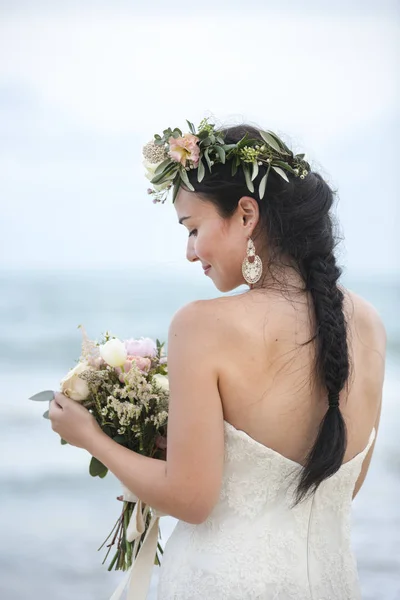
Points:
252	264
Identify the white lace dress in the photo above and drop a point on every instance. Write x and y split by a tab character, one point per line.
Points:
254	546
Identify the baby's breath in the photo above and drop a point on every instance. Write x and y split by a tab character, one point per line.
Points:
154	153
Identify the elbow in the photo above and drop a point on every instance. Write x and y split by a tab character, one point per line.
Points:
195	512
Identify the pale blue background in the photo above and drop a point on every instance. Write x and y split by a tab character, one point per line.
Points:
83	86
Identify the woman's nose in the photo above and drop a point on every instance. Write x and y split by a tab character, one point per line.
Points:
190	252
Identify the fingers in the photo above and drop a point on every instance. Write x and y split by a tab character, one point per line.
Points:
59	399
54	408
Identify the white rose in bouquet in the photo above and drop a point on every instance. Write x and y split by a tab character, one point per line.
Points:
114	353
74	386
162	381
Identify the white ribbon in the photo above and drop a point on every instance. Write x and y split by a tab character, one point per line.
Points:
138	577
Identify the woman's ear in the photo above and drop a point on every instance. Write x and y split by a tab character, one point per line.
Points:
249	212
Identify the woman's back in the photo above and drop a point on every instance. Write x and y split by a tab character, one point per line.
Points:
257	544
267	373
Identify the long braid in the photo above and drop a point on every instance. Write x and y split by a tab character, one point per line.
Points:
325	458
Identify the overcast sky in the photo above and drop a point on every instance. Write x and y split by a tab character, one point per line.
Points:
83	86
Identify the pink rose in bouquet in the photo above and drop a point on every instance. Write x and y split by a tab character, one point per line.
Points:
143	363
145	347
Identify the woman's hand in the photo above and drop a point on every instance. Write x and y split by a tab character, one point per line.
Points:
73	422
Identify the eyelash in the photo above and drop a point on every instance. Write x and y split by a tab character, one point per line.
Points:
192	232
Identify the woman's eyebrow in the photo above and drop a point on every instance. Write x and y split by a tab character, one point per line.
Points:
183	219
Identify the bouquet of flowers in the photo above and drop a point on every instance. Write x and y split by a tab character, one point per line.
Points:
124	385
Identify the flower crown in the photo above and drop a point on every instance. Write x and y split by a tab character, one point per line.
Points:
170	156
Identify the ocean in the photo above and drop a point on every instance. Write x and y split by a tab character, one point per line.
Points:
54	516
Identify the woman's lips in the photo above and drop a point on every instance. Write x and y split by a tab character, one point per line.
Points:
206	269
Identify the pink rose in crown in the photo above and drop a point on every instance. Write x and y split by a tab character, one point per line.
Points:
184	148
142	347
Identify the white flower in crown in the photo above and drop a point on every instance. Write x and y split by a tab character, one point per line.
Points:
150	170
154	155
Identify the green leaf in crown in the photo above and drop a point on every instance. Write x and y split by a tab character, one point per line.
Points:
169	157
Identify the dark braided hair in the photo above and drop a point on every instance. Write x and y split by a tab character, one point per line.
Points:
296	222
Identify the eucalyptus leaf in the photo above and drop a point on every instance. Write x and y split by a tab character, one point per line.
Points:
249	183
63	442
267	137
46	414
234	168
207	158
168	171
255	170
221	153
191	127
202	135
283	148
206	141
175	190
45	396
201	171
158	178
285	166
281	172
243	141
162	166
96	468
185	179
263	183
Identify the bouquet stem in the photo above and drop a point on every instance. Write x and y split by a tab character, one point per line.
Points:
126	552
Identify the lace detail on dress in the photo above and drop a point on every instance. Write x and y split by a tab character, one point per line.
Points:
254	546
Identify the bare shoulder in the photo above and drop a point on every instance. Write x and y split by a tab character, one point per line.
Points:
212	308
365	318
200	318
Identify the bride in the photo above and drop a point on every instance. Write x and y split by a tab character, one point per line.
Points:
275	392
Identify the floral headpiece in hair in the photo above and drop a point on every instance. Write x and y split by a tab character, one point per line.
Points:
170	156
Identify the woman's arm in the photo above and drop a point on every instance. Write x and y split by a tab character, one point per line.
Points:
367	459
372	334
187	485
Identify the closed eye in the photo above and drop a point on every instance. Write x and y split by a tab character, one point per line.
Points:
193	232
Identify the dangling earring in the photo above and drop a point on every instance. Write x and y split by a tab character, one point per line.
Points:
252	264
